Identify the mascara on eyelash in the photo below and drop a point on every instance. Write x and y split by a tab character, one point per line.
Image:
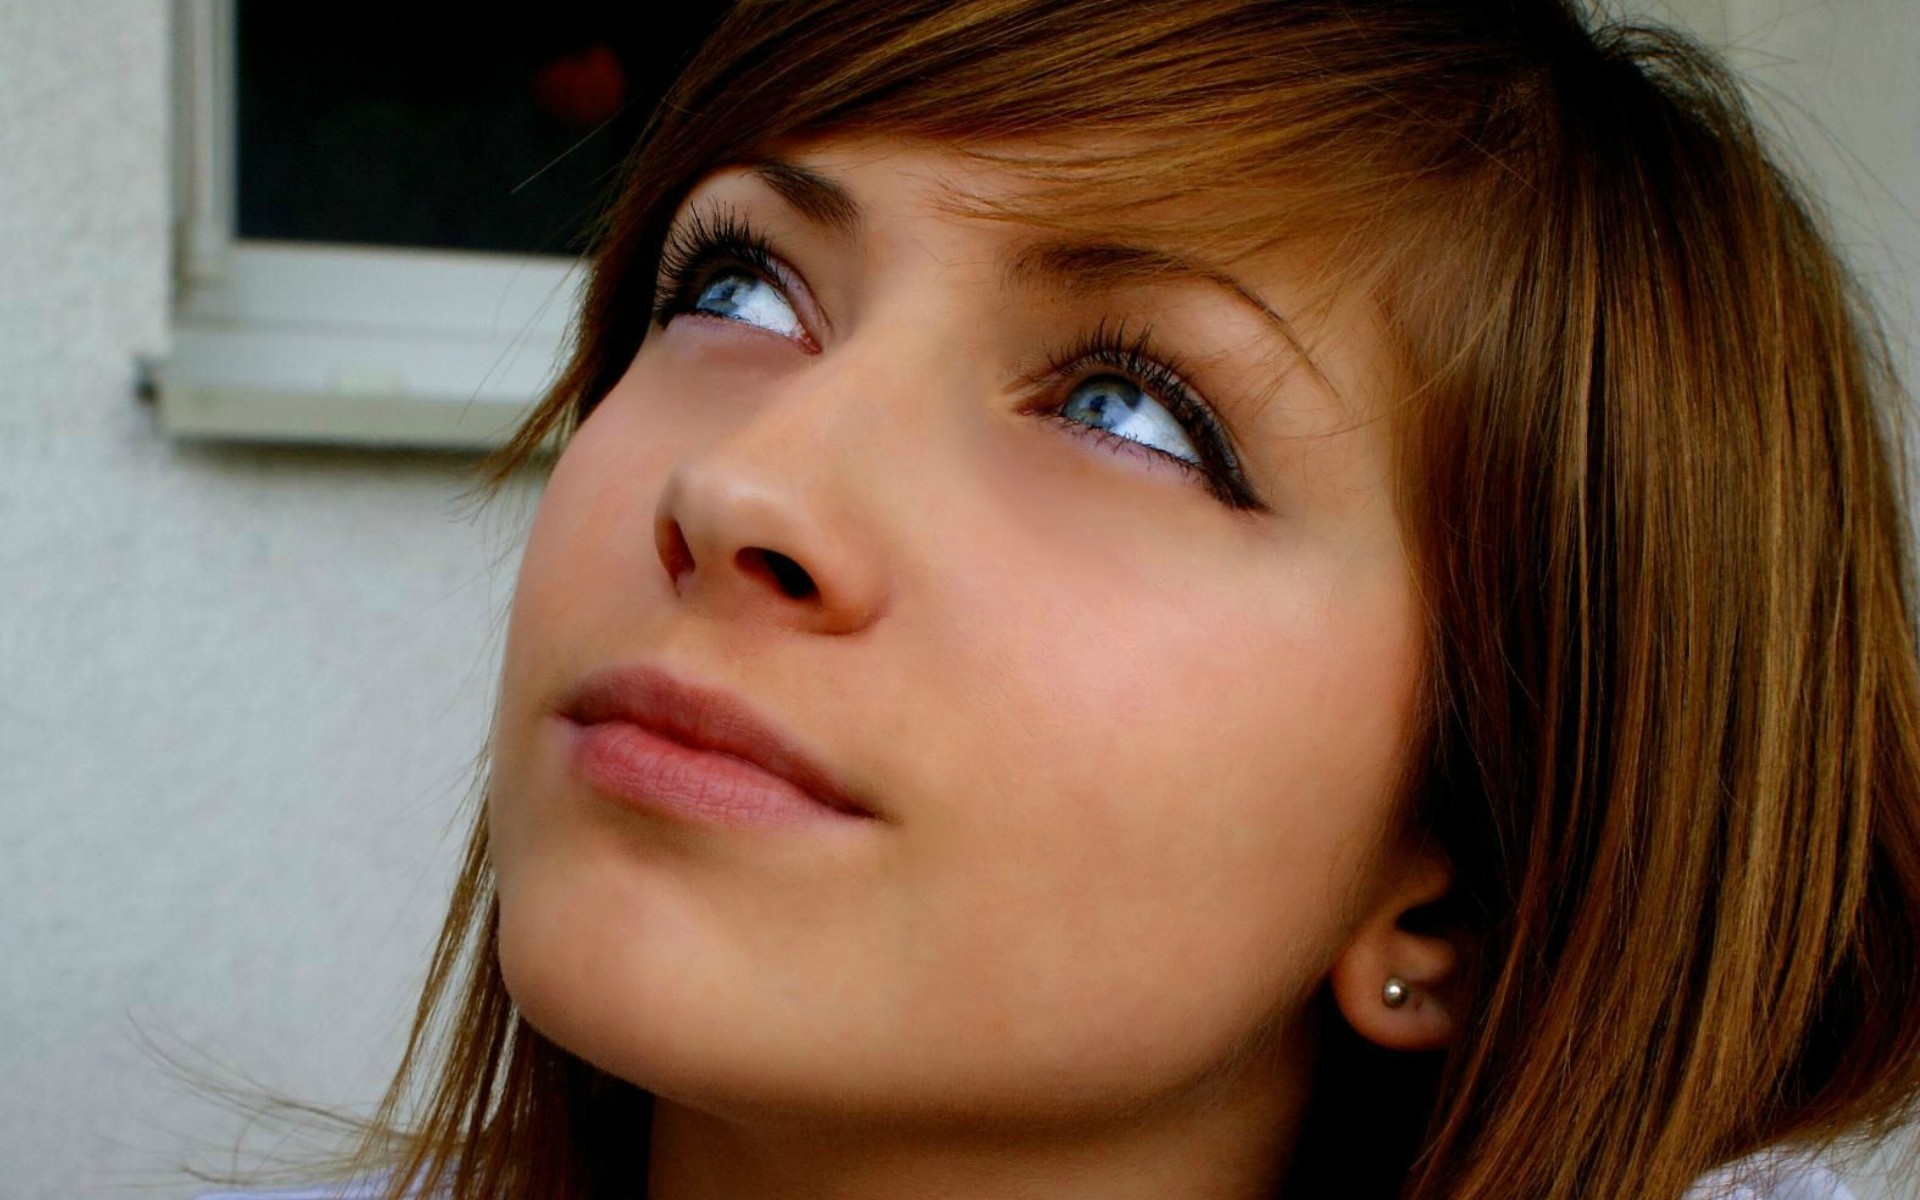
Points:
701	240
1133	356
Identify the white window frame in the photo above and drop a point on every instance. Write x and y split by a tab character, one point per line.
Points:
313	342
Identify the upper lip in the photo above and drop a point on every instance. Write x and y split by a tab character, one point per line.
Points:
705	719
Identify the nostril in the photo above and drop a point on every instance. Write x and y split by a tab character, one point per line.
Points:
791	577
675	554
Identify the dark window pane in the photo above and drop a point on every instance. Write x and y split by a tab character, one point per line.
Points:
466	126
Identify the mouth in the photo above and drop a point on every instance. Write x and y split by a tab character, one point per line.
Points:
656	739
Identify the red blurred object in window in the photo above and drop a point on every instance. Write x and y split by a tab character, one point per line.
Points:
583	90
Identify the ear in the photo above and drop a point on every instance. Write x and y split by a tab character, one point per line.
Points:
1392	943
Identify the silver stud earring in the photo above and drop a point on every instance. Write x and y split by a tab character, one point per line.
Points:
1395	993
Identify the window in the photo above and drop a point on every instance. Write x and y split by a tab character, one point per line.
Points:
379	207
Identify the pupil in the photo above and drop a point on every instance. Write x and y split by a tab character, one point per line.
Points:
1107	399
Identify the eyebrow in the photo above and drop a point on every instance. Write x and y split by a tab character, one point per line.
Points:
814	196
1074	265
1065	265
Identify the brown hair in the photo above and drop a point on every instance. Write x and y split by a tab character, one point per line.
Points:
1652	489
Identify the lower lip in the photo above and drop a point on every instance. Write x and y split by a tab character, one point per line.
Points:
646	771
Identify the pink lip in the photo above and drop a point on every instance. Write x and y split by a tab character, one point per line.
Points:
652	741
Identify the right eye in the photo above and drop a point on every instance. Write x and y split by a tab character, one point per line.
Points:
739	295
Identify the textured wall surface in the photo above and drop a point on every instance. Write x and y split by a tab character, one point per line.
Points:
1837	78
244	687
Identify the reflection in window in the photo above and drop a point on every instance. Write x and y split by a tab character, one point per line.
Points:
468	126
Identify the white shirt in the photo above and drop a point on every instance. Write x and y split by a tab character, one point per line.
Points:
1772	1175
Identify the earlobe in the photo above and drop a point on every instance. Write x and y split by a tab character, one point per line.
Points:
1397	983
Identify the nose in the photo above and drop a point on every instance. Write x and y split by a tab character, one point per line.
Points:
774	522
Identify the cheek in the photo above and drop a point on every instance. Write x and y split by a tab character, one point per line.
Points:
590	561
595	520
586	570
1159	783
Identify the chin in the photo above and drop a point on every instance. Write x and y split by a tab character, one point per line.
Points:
635	1017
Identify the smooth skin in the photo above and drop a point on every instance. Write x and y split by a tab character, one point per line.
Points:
1133	749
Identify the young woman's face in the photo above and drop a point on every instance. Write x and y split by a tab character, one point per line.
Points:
909	485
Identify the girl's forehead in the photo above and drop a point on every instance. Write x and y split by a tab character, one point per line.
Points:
1081	209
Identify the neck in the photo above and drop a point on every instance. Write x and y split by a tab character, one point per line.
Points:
1228	1141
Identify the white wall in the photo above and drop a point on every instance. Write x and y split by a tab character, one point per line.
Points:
1841	80
242	687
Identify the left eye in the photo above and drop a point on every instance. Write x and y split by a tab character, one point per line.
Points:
1118	406
745	297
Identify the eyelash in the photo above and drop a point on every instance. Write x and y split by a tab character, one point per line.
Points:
697	245
702	242
1111	350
